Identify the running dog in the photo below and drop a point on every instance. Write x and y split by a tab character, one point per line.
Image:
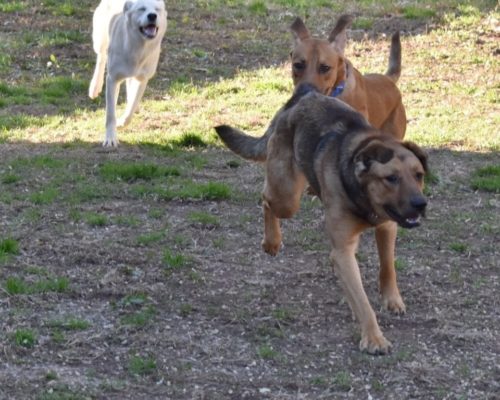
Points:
363	177
323	64
127	37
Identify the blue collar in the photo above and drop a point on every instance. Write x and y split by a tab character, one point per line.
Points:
337	90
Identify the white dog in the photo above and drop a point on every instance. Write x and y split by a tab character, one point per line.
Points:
127	36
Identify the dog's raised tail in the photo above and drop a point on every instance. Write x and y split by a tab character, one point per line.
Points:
394	70
246	146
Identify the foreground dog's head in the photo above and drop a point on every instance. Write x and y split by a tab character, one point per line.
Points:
147	17
391	175
319	62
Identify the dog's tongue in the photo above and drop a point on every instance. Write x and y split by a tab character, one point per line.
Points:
150	30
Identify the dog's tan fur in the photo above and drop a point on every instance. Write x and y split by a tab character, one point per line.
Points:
322	63
363	178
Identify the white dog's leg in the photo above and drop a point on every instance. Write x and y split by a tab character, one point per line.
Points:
112	90
98	79
135	90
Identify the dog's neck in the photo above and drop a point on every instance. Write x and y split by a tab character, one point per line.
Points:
339	89
362	207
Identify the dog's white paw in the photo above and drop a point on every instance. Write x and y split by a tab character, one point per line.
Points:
110	141
123	121
94	90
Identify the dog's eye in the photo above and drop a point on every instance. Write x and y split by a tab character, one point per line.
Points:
419	176
323	68
142	9
299	66
392	179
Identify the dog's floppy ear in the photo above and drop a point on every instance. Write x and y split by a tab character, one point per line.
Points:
375	151
127	6
419	153
338	36
299	30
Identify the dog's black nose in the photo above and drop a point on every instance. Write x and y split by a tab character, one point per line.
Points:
152	17
418	202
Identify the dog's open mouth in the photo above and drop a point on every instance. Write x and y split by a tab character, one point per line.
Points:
406	221
149	31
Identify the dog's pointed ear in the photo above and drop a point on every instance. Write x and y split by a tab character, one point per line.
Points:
127	6
375	151
299	30
338	36
419	153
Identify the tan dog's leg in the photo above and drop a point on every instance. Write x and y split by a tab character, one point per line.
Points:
345	241
385	236
283	189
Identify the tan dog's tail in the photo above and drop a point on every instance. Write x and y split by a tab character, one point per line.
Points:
394	70
246	146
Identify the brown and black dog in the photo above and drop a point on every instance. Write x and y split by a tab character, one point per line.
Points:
363	178
322	63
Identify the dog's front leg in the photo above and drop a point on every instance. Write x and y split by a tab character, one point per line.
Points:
345	241
385	235
112	89
135	91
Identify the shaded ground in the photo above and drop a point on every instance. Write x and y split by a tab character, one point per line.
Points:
226	321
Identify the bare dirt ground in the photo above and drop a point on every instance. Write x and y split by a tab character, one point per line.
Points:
232	322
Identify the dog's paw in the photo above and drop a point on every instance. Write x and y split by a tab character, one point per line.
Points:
94	91
271	248
375	344
394	303
110	142
123	121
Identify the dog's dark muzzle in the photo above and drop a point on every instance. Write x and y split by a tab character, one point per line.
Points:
410	218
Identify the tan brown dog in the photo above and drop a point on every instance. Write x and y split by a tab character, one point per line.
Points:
322	63
363	178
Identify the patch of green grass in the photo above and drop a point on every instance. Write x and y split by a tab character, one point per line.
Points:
96	220
130	172
362	23
415	12
203	218
142	365
487	178
62	392
189	190
150	238
343	380
60	38
25	338
135	299
140	318
175	261
258	7
51	376
61	8
266	352
12	7
8	247
9	179
400	265
70	324
44	197
15	285
458	247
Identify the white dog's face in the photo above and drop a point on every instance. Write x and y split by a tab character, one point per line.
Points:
148	16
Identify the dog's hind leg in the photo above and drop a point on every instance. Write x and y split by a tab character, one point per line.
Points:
97	81
385	235
135	91
283	189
